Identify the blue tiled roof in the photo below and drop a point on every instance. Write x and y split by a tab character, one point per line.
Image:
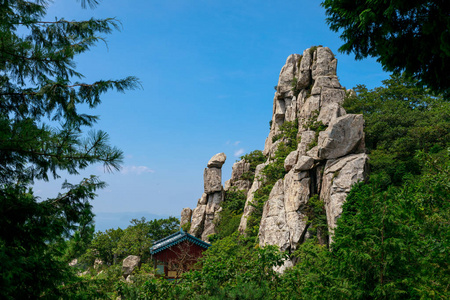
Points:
174	239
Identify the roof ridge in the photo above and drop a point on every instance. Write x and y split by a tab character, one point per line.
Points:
174	239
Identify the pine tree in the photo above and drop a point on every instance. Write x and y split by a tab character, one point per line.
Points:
39	87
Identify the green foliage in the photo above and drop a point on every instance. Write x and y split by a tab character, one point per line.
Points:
299	62
234	201
312	49
316	126
33	245
396	242
317	218
255	158
312	276
230	216
275	169
186	227
294	88
403	35
113	245
39	87
272	173
389	244
400	119
232	263
288	131
260	197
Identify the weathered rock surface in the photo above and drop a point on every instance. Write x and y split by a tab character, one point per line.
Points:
338	177
203	199
186	215
304	163
325	164
343	136
217	160
248	208
198	220
284	222
129	264
273	229
236	181
330	112
212	180
209	205
291	160
324	63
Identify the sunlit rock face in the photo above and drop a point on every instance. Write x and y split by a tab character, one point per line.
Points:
325	164
209	205
328	160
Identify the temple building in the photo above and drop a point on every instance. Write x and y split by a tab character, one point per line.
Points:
176	254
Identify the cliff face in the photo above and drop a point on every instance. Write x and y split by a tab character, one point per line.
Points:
328	160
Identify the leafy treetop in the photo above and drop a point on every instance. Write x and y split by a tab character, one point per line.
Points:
407	35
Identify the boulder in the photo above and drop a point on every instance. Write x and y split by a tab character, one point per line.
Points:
343	136
198	220
338	178
304	73
331	95
306	138
330	112
236	182
286	265
217	160
129	264
212	180
324	63
296	195
214	202
287	73
241	185
290	160
203	200
304	163
283	222
322	82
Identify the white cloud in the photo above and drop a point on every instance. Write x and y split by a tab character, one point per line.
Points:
138	170
239	152
237	143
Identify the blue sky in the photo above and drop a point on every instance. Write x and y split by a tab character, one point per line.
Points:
208	69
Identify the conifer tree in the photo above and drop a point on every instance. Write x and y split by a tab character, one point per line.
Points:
39	87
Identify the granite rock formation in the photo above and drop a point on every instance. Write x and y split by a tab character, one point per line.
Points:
328	160
129	264
325	163
186	215
208	206
237	181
